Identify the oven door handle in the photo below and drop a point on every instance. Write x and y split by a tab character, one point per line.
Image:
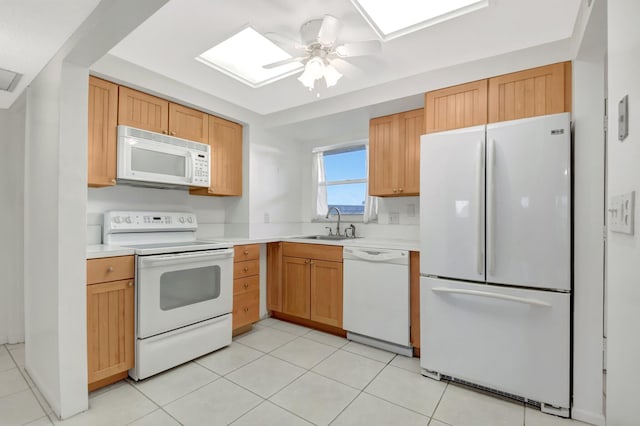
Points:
181	258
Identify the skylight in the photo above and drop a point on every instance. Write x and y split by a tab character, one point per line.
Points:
391	19
242	56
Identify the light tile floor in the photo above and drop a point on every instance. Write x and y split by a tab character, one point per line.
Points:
279	374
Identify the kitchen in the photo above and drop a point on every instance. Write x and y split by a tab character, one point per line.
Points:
62	229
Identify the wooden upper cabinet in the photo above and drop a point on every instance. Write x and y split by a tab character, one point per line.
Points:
225	139
537	91
456	107
411	128
394	154
188	123
143	111
103	121
326	292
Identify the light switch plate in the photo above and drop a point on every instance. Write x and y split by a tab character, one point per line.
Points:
622	212
623	118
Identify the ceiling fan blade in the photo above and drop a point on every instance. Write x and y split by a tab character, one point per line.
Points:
285	42
284	62
359	48
348	69
328	32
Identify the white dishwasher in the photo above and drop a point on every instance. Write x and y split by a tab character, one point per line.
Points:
376	298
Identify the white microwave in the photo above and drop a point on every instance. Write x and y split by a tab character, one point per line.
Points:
151	159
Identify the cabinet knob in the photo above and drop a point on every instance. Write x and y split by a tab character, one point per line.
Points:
173	133
130	284
113	181
110	269
400	190
246	285
246	309
246	252
395	190
245	269
164	132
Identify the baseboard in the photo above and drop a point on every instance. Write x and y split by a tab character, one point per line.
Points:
596	419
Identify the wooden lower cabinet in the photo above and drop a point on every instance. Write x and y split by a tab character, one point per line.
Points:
311	282
296	287
246	287
110	326
326	292
274	276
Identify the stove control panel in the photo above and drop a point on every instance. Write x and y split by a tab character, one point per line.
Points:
146	221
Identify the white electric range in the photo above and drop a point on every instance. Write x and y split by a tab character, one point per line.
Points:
184	287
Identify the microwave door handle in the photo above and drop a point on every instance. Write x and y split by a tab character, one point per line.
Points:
190	167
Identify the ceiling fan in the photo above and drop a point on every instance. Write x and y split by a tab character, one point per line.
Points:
319	52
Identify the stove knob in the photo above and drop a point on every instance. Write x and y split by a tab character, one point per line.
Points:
128	219
190	219
181	219
116	219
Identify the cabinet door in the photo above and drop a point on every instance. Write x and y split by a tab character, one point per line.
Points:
456	107
414	297
142	111
274	276
103	121
326	292
411	128
187	123
225	139
384	155
110	335
537	91
295	287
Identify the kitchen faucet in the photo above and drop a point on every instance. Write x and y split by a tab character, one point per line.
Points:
338	224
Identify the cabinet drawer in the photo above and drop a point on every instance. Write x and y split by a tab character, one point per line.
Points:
246	309
247	284
246	268
110	269
313	251
248	252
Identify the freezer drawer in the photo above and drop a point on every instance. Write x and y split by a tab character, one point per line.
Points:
512	340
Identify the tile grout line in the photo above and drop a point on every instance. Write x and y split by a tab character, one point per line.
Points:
156	404
435	409
31	389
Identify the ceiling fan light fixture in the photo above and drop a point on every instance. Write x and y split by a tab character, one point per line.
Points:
331	75
313	70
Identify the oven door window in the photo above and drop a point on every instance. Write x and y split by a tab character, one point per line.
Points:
189	286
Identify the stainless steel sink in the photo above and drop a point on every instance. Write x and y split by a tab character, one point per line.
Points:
327	237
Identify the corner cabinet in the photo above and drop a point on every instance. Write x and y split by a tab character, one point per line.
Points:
225	139
394	154
311	286
103	121
110	319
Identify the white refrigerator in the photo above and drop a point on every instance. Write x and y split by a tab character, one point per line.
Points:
495	257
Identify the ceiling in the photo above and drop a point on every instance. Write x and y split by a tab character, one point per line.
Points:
167	43
31	32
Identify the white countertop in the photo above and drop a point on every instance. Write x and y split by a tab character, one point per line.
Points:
104	250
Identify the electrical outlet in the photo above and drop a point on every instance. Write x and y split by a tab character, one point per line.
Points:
621	213
394	218
267	219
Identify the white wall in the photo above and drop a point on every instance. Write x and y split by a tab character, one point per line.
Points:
623	251
11	226
588	297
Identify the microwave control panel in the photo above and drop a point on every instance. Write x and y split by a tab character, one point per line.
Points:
144	221
201	170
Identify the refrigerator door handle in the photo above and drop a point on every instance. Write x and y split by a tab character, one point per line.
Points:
491	255
480	208
490	295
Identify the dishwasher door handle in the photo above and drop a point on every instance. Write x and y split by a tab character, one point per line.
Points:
374	255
